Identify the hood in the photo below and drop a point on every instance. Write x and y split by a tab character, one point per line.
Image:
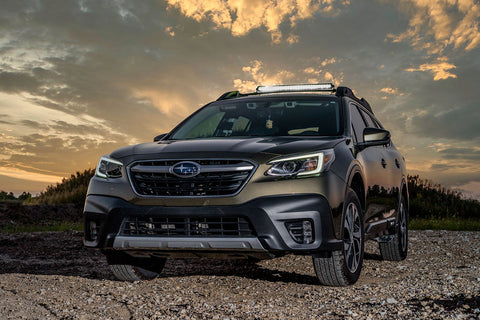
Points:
224	147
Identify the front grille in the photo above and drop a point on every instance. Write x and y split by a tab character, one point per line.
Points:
186	227
215	178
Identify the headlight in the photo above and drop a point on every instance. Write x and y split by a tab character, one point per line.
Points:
301	165
109	168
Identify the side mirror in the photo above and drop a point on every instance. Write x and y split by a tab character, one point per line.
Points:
159	137
374	137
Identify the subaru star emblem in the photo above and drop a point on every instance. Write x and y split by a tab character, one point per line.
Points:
185	169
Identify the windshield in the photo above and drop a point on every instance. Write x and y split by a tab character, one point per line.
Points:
319	116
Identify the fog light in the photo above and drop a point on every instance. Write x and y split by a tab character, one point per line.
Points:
307	231
93	231
301	231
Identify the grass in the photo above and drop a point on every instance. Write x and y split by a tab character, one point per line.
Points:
452	224
59	226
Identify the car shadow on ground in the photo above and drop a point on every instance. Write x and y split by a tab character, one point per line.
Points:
63	254
235	268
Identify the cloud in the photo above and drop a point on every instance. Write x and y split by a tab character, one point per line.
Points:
256	72
441	166
437	25
469	190
15	82
389	90
170	31
242	16
28	176
439	69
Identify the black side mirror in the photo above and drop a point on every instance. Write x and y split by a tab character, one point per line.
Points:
374	137
159	137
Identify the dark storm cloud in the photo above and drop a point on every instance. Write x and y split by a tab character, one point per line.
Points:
34	124
3	118
15	82
461	153
440	166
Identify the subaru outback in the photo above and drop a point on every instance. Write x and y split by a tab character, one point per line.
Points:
287	169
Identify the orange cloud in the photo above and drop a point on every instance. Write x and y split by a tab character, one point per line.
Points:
259	76
29	176
437	24
389	90
439	69
242	16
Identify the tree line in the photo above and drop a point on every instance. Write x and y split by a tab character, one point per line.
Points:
70	190
428	200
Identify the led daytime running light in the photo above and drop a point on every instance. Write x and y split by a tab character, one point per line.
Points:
308	164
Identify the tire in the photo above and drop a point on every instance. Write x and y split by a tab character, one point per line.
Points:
134	269
395	247
343	267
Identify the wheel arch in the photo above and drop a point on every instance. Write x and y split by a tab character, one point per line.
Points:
357	183
404	193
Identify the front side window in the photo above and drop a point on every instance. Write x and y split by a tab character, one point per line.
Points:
290	117
358	123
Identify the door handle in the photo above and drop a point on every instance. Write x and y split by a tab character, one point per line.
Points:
397	163
384	163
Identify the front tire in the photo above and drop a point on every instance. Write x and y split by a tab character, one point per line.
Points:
343	267
396	247
127	268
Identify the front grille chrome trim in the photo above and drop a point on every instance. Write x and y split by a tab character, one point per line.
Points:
155	166
204	169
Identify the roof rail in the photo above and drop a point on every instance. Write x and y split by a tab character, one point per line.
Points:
347	92
230	94
325	87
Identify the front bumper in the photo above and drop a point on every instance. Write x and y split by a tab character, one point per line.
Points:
266	215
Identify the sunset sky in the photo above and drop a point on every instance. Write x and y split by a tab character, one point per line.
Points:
79	79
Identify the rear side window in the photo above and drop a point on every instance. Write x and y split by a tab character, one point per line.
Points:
370	122
358	124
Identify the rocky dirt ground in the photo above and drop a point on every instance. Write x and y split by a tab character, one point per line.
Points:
51	276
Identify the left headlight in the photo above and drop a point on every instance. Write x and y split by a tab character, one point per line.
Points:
306	164
109	168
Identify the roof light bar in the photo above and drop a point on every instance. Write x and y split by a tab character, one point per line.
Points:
296	88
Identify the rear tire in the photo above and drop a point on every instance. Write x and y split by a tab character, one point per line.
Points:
343	267
127	268
396	247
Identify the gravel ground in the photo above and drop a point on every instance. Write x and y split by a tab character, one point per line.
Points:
51	276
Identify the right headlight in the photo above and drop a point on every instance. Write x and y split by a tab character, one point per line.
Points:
108	168
301	165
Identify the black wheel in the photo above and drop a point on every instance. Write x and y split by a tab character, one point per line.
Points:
395	248
343	267
127	268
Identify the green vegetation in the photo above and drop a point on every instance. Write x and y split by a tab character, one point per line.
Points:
433	201
57	226
453	224
433	206
6	197
70	190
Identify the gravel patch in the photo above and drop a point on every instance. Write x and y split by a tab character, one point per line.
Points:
51	276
